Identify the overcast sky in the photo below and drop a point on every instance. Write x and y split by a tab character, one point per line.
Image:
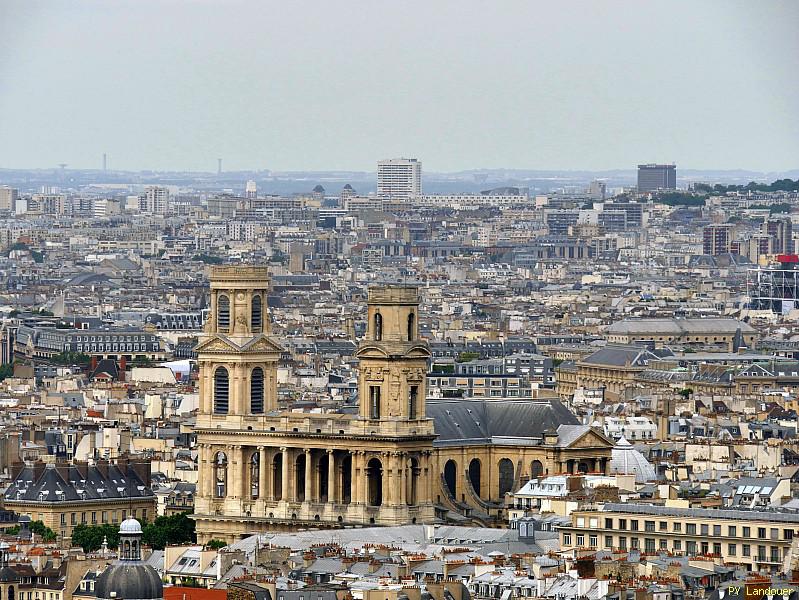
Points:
160	84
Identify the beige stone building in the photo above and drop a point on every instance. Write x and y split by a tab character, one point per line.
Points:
723	333
399	460
755	540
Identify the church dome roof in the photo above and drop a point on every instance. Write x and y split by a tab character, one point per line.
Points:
626	460
131	581
131	526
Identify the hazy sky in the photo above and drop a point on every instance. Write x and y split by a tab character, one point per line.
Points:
291	85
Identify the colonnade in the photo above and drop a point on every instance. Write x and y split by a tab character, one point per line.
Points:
315	475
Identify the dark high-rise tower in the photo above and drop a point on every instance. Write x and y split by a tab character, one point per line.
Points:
657	177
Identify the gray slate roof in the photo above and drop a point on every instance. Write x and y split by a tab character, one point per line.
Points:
495	421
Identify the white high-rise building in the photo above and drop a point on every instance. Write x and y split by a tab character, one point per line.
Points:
399	179
155	200
8	198
251	190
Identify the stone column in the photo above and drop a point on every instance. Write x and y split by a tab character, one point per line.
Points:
263	471
403	479
286	478
331	477
246	487
387	460
309	468
358	477
234	472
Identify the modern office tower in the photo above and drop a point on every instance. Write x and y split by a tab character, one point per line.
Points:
657	177
399	179
155	200
781	230
716	239
8	198
251	190
597	189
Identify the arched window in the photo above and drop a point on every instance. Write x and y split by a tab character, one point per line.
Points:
257	391
411	327
378	327
257	317
223	313
255	474
221	391
11	593
220	475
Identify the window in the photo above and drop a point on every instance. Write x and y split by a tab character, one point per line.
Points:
257	317
664	544
580	540
732	549
732	531
788	534
223	313
717	549
716	529
678	545
690	548
567	539
690	528
608	523
221	391
634	525
608	541
663	526
623	543
257	391
677	527
378	327
705	548
374	401
649	545
745	550
592	541
94	518
413	400
704	529
411	327
761	533
649	526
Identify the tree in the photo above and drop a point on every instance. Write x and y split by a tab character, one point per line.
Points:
174	529
216	544
685	393
90	537
38	528
467	357
6	371
71	358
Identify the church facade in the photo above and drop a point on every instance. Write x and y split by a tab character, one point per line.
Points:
263	469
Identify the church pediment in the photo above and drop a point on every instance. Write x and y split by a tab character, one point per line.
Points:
262	344
591	439
217	343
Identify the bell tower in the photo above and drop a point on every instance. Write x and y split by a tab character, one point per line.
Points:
237	358
393	360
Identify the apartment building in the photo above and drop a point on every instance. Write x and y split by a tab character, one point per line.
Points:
755	540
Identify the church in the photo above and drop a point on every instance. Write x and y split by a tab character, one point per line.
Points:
401	459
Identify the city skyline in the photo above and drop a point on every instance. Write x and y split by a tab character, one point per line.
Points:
542	88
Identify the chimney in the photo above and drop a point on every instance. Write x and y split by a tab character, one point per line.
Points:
94	363
123	364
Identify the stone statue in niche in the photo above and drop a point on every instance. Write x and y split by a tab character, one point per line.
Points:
394	385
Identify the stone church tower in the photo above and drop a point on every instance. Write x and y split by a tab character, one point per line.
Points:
265	469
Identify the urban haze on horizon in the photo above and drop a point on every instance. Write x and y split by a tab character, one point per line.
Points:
171	86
